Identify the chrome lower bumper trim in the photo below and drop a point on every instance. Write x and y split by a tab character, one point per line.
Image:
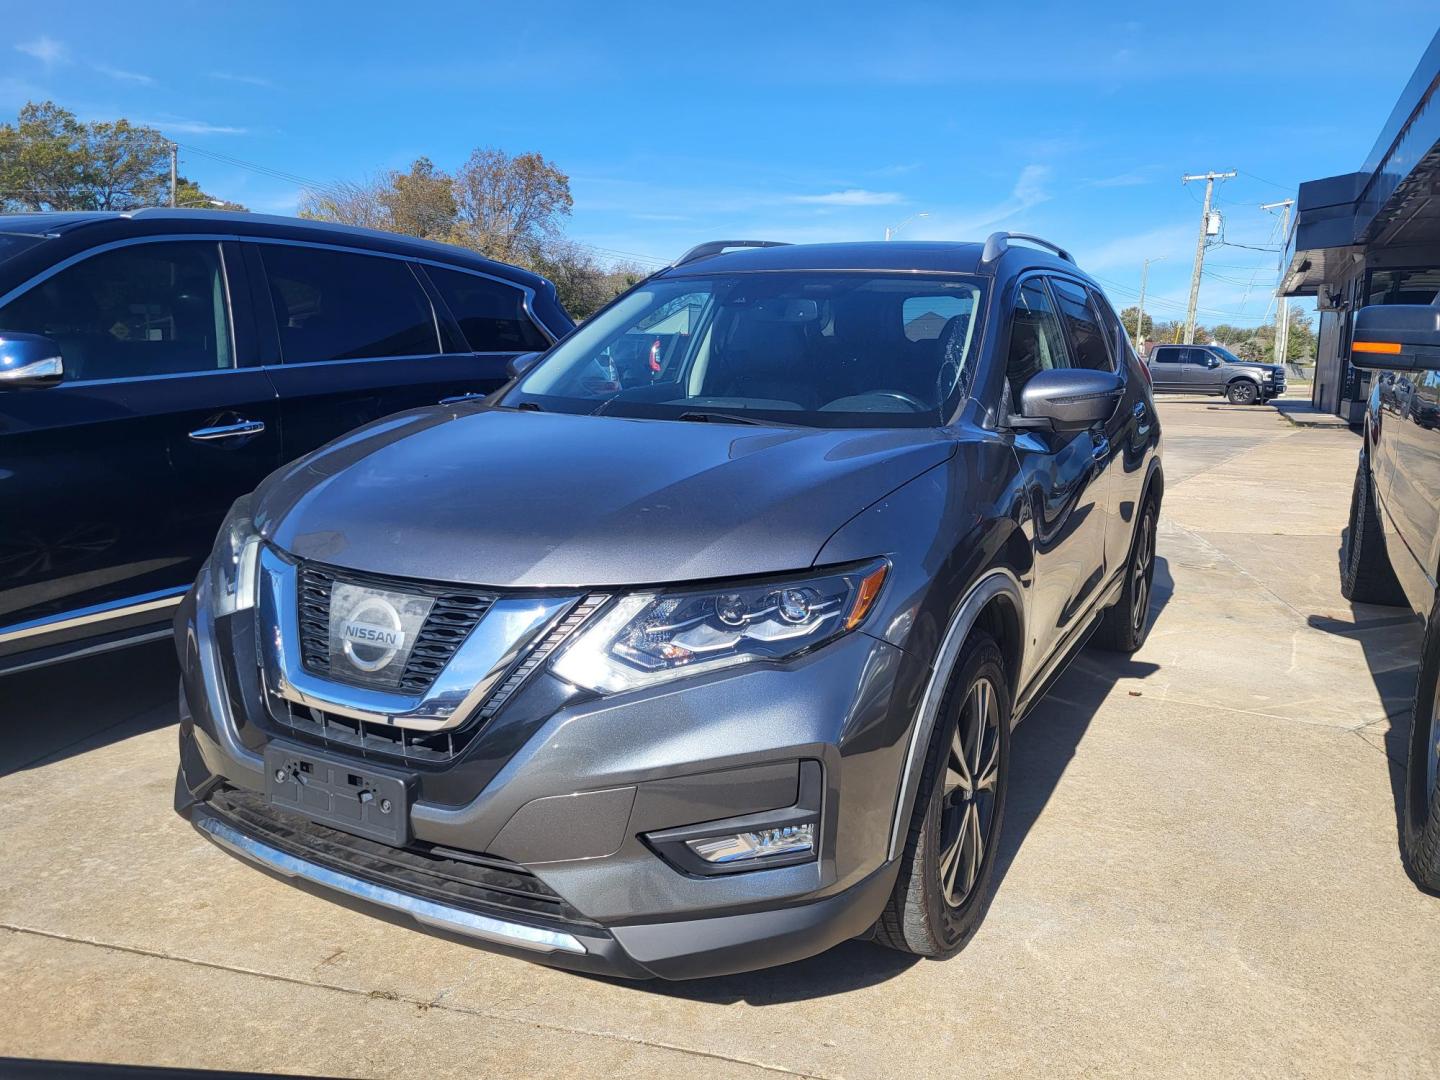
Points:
428	912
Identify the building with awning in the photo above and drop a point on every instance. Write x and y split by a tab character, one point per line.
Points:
1371	236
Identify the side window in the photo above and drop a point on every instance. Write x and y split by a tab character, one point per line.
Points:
1114	332
1036	341
1197	356
334	305
1082	324
924	317
144	309
492	316
1169	355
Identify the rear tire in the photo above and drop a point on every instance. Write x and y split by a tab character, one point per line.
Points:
1420	829
947	869
1242	392
1124	626
1366	576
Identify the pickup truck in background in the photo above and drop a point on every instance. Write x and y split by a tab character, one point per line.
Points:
1212	369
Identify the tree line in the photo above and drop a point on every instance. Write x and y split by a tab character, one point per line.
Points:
1247	342
504	206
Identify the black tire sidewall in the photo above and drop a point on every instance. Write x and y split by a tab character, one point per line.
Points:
1239	385
955	927
1420	816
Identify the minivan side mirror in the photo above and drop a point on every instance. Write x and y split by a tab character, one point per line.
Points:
1401	337
29	362
1069	399
519	365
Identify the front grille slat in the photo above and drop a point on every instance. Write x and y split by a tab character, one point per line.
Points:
480	883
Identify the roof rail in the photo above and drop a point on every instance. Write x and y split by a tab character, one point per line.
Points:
715	247
998	242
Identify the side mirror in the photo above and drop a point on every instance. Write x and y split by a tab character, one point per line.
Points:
1400	337
1069	399
1212	361
29	362
519	365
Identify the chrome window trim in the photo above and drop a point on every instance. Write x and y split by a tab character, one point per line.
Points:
428	912
85	650
990	585
509	627
112	609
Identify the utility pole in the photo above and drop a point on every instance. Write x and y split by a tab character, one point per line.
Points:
1282	304
174	170
1209	179
1140	314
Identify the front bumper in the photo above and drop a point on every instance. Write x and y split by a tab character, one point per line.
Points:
571	805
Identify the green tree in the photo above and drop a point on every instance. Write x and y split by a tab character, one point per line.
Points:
420	202
510	207
49	160
1127	320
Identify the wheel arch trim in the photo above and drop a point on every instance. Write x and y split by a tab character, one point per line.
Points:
996	582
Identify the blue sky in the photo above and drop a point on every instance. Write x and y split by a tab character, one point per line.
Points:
684	122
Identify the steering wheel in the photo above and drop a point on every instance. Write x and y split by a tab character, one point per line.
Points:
914	403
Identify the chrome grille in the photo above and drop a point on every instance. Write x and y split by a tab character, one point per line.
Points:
454	614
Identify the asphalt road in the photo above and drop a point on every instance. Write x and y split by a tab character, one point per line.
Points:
1200	871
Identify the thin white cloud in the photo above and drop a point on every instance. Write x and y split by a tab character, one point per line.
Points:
248	80
849	197
192	127
1128	179
1130	252
125	76
1030	190
45	49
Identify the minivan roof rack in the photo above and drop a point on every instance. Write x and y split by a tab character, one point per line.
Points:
715	247
997	242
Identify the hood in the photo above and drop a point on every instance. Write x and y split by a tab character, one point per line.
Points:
513	499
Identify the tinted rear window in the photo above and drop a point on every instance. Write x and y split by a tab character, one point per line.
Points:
492	316
334	305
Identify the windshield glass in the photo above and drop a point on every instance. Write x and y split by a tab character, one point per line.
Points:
804	347
1226	355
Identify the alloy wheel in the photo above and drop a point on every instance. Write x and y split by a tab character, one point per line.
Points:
967	807
1142	572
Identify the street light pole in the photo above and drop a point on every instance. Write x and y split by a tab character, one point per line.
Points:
1140	314
891	230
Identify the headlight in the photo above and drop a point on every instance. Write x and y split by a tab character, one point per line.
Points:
647	638
233	561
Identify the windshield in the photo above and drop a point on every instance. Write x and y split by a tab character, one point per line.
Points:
1226	355
806	347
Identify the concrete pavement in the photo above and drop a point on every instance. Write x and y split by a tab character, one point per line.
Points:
1200	868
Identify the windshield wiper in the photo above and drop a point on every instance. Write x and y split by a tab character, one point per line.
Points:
700	417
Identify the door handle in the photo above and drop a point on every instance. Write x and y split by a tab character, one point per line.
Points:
228	431
1139	410
461	397
1101	450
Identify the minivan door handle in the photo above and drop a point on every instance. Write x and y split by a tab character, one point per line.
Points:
228	431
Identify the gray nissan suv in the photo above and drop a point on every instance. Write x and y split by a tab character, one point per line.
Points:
698	647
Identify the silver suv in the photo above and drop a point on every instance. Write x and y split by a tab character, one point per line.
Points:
1212	369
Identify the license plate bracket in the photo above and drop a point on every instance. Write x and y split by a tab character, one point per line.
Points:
350	795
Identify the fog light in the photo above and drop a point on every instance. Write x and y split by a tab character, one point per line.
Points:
791	840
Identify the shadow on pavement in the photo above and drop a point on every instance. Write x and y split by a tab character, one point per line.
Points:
1043	747
52	713
1394	681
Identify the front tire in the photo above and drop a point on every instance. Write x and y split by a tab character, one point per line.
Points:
1124	626
1420	829
1366	576
1242	392
947	870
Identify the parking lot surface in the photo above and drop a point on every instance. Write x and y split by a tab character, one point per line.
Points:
1200	873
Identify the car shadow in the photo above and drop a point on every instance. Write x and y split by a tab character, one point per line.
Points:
1042	748
1390	638
52	713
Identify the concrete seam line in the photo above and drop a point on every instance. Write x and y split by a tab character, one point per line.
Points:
1264	442
150	954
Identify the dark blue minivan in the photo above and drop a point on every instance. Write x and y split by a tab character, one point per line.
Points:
156	365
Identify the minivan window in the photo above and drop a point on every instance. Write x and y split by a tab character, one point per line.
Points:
492	316
822	349
336	305
143	309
